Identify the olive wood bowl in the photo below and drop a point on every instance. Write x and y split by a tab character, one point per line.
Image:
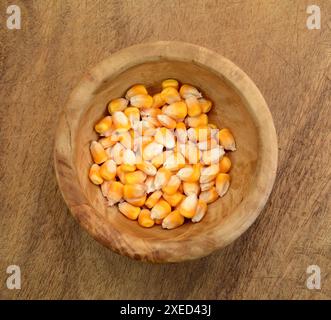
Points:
237	105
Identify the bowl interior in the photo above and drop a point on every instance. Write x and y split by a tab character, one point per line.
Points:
228	110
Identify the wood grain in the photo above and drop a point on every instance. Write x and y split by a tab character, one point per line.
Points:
42	62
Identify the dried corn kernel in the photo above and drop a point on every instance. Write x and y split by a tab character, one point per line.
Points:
165	137
222	183
187	90
129	210
103	125
136	90
160	210
153	199
188	206
108	170
173	199
158	101
144	219
121	121
135	177
170	95
134	190
193	106
191	188
147	167
176	110
94	174
117	105
201	211
225	164
172	186
162	177
167	121
209	196
193	122
170	83
142	101
173	220
226	139
115	192
98	152
137	202
152	150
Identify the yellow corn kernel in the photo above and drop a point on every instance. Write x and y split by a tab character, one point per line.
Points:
187	90
134	191
222	183
172	186
116	153
133	115
110	141
176	110
103	125
115	192
121	121
137	202
170	83
205	105
191	188
212	156
193	106
153	199
158	160
149	183
191	152
147	167
173	220
227	140
142	101
160	210
94	174
162	177
203	133
108	170
136	90
207	185
152	121
174	162
151	150
170	95
225	164
209	196
165	137
209	173
188	206
129	210
201	120
144	218
135	177
121	174
166	121
181	132
207	144
98	152
117	105
129	161
200	211
158	101
125	138
150	112
173	199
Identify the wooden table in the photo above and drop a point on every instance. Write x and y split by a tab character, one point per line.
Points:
42	62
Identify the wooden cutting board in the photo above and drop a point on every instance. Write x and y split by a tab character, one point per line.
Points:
42	62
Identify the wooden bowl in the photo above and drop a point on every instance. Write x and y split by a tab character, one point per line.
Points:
238	105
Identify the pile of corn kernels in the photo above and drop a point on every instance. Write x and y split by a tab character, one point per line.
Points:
159	158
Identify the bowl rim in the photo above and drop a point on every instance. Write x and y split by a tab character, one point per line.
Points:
89	218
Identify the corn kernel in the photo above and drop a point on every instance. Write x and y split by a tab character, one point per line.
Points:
226	139
94	174
176	110
172	186
129	210
103	125
170	95
134	190
170	83
147	167
162	177
144	219
173	199
135	177
188	206
160	210
222	183
200	211
187	90
165	137
136	90
142	101
108	170
205	105
153	199
191	188
225	164
121	121
137	202
173	220
166	121
98	152
209	196
117	105
115	192
158	101
193	106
